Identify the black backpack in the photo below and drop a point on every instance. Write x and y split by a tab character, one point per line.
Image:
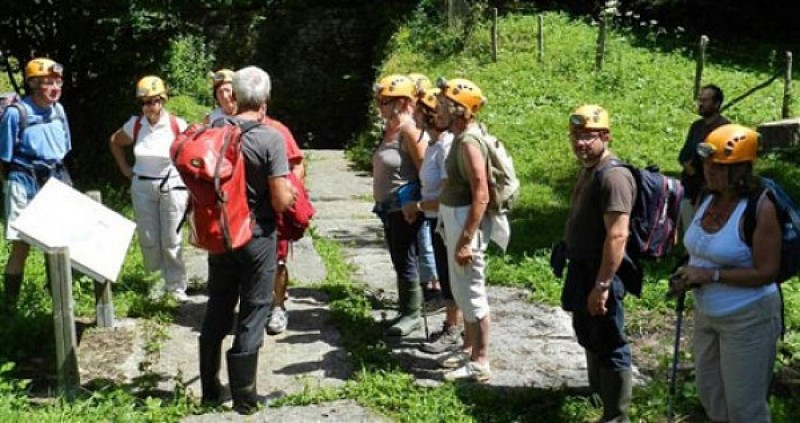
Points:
655	215
789	220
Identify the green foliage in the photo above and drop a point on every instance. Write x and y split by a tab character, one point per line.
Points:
188	108
188	63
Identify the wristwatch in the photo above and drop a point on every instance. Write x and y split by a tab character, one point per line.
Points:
602	285
715	276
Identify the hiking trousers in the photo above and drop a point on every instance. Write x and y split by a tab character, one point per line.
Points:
734	357
159	207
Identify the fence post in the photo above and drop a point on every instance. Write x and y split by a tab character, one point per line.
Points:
104	304
786	111
494	34
701	62
60	274
601	41
540	37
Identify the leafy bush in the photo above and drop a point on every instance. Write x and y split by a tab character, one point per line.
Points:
188	64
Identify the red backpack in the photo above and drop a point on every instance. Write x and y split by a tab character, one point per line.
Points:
293	222
210	161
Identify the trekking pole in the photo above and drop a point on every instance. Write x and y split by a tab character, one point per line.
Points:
425	318
679	305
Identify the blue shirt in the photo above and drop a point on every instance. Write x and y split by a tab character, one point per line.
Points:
45	139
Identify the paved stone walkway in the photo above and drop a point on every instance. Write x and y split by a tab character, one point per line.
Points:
532	345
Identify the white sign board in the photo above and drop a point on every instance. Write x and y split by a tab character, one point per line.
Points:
97	237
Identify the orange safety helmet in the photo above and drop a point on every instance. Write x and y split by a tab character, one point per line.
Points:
730	144
42	66
589	117
221	76
151	86
429	98
463	92
396	86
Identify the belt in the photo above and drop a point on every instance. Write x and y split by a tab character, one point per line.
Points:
151	178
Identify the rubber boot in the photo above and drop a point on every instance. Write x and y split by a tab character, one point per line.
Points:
11	288
242	376
616	388
210	357
410	294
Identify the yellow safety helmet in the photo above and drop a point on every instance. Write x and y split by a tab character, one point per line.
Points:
429	98
42	66
589	117
730	144
421	82
396	86
221	76
151	86
464	93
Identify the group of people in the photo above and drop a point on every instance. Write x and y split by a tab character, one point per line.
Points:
430	178
737	302
431	167
35	138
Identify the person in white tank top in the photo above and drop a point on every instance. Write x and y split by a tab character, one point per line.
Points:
737	303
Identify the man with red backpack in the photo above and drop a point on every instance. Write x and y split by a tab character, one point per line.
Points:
246	274
157	191
34	139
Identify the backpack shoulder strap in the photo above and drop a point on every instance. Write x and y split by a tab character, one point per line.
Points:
749	224
137	127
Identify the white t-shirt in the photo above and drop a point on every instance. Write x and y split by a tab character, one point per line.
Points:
151	149
432	173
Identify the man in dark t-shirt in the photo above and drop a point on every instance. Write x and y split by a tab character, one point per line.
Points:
709	102
595	236
245	275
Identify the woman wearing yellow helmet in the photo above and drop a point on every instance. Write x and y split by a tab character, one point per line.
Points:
222	86
395	168
737	304
158	194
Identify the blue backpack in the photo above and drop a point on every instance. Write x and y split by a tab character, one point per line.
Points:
655	215
789	220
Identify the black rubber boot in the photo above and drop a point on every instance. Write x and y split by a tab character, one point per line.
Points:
616	389
210	360
410	304
11	289
242	376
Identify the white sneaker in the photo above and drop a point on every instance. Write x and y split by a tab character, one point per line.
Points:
179	295
278	321
453	360
471	371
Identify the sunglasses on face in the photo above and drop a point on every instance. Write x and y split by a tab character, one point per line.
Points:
151	101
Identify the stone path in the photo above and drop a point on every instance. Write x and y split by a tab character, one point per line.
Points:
532	345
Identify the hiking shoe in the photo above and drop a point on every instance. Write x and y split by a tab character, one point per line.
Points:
179	295
278	320
471	371
445	340
453	360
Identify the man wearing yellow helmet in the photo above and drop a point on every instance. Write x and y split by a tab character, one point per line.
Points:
158	193
737	305
34	139
223	95
595	234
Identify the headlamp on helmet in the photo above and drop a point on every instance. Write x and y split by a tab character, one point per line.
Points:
589	117
730	144
43	67
221	76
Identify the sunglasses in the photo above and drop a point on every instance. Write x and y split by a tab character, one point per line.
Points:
151	101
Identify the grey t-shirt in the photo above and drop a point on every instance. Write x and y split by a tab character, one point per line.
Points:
265	158
392	167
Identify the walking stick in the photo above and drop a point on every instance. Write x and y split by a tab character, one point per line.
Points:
678	323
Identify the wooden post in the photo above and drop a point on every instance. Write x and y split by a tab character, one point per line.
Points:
786	111
540	37
494	34
601	41
60	274
701	62
104	305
